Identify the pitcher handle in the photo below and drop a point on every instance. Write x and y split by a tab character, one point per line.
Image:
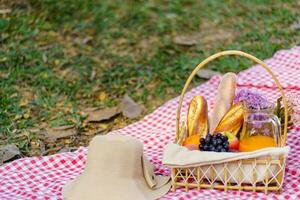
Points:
277	128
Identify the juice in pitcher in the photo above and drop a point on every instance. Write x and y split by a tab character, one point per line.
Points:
261	129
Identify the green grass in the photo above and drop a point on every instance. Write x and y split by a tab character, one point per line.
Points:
57	56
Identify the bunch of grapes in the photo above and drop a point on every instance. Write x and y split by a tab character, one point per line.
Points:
216	142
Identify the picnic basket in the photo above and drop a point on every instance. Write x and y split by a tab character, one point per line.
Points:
255	174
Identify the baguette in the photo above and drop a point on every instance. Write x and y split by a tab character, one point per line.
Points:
197	117
223	100
232	120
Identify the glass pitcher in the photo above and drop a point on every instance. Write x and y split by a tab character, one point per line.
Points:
261	129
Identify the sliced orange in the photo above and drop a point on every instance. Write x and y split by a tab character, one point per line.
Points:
192	140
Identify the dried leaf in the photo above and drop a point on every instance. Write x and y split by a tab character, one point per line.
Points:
91	31
130	108
102	96
93	75
23	102
296	25
87	40
97	129
218	35
14	95
18	116
8	152
56	62
69	74
26	97
37	148
67	149
44	58
98	115
185	40
5	11
94	132
207	73
26	115
83	41
61	132
207	36
4	75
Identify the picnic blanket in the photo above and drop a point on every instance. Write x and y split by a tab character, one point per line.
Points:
43	177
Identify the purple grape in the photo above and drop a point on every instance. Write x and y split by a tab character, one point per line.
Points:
219	141
202	140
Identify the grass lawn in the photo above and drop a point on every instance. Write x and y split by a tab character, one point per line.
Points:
59	57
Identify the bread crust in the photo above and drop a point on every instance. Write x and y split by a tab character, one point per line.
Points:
197	118
223	100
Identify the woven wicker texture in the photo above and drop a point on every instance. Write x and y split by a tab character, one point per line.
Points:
248	173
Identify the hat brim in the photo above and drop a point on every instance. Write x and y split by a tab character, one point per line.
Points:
83	187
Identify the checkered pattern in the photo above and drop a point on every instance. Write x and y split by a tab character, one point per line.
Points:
43	177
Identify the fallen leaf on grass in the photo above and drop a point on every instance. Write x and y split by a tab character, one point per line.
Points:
214	36
98	115
296	25
26	97
67	149
93	75
37	148
83	41
5	11
8	152
23	102
185	40
94	132
207	73
203	38
4	75
91	31
130	108
102	96
69	74
60	132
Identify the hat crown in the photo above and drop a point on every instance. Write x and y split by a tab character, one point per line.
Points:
117	155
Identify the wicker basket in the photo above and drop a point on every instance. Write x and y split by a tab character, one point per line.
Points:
258	174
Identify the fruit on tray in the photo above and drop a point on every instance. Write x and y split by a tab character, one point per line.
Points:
232	120
253	143
192	147
223	100
197	117
192	140
233	141
217	143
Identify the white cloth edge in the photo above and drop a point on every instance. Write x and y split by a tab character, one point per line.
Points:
175	155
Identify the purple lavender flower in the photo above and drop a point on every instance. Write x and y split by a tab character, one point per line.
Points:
253	100
257	124
266	131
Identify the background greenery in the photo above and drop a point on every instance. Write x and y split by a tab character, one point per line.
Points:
59	57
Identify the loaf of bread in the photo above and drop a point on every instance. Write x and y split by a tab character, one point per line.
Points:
197	117
223	100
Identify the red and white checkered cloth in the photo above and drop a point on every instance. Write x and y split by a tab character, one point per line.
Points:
43	177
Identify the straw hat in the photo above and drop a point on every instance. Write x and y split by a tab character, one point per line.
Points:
116	169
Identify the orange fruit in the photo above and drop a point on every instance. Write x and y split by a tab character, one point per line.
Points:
192	140
192	147
256	142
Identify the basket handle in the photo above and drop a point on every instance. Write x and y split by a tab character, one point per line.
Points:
238	53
